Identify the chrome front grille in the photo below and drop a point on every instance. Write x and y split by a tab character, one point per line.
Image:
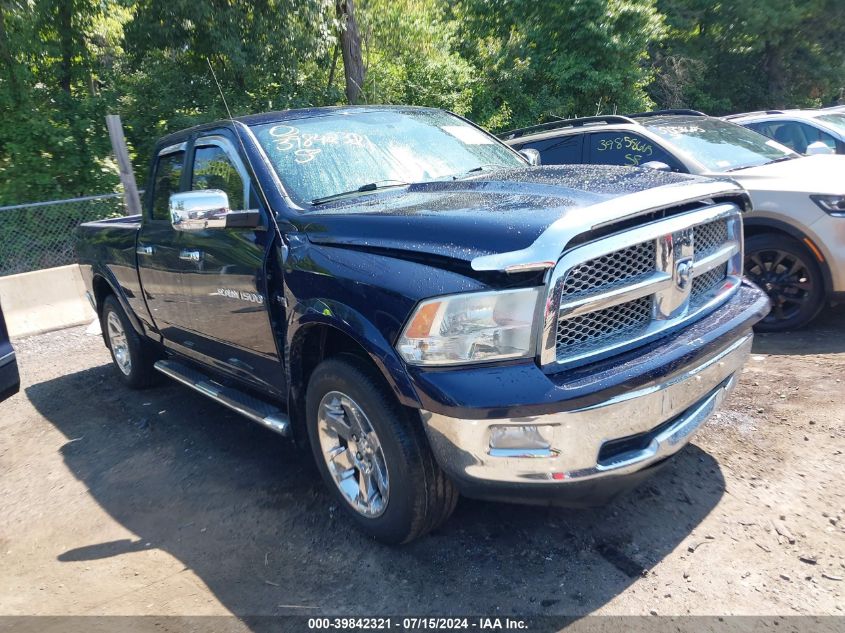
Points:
618	267
624	290
708	237
704	285
581	332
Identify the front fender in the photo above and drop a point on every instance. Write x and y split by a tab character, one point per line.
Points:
334	314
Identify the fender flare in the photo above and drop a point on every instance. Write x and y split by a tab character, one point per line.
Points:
109	279
347	321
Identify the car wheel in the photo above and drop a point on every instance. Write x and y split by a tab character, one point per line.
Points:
373	453
132	356
785	271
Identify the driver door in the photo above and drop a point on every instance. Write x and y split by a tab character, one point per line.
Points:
225	273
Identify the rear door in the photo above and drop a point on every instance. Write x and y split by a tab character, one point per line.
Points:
158	250
225	277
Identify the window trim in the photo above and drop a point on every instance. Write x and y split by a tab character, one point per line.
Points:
163	153
172	149
218	140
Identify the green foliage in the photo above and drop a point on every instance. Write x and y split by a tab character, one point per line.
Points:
64	64
752	54
540	60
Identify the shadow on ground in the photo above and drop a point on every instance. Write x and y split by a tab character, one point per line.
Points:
825	335
245	510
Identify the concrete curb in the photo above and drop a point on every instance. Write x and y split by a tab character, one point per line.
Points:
44	300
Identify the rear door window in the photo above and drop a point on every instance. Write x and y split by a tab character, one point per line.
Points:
562	150
625	148
168	175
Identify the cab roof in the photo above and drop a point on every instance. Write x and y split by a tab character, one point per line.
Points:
286	115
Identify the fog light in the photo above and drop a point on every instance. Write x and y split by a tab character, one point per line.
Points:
521	441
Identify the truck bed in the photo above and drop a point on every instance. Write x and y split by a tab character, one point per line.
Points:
125	222
109	243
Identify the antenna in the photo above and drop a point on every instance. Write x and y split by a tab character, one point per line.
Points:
243	149
220	90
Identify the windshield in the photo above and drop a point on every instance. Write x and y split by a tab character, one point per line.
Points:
836	121
721	146
323	156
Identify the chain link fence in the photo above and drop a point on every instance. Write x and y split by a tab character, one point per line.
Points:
40	235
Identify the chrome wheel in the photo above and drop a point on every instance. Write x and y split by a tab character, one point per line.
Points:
118	343
353	454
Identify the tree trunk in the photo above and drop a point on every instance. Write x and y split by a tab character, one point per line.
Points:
775	76
350	46
64	27
9	61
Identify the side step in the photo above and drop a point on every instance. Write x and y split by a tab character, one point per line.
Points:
256	410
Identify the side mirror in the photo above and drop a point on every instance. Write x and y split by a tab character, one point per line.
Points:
208	209
656	165
819	148
531	155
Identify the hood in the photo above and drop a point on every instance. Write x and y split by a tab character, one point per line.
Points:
497	212
807	174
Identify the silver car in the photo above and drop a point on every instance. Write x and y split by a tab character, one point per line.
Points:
803	131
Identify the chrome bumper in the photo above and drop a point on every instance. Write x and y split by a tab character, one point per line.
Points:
620	436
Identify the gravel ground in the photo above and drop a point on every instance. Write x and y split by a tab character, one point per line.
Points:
161	502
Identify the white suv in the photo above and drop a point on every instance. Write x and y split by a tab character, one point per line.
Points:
795	234
804	131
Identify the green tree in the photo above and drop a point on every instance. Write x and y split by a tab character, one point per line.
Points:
752	54
267	54
538	60
51	141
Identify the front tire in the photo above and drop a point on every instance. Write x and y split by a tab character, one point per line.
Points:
132	356
373	453
787	272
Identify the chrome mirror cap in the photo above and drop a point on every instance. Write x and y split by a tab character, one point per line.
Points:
197	210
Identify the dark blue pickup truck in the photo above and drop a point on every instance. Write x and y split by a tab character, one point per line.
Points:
426	309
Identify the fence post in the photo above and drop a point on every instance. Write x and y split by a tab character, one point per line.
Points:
127	176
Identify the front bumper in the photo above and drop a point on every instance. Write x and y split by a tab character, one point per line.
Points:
593	444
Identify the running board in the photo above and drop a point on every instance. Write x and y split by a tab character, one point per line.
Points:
256	410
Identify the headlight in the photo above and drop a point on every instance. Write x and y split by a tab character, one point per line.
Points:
471	328
834	205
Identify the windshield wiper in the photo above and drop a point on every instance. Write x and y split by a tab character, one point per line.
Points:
771	162
783	158
474	170
370	186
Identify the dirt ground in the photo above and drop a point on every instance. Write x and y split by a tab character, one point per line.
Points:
161	502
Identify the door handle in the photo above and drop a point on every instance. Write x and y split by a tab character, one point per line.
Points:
145	250
190	256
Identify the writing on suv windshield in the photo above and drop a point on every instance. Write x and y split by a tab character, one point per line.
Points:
721	146
323	158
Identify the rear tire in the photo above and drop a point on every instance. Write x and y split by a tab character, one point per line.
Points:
788	273
133	356
373	453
